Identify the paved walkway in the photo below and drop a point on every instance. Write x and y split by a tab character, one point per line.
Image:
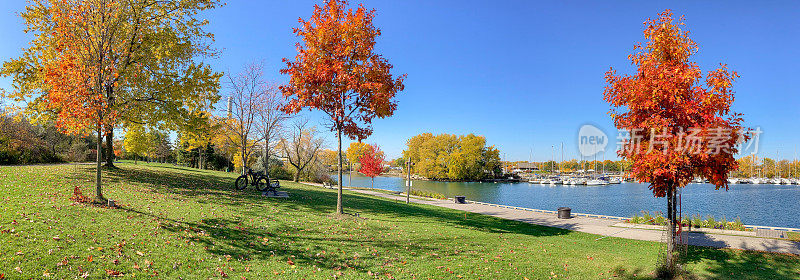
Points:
606	227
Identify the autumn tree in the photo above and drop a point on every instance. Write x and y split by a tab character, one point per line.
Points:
355	151
680	124
372	162
337	71
199	134
136	141
96	64
453	157
301	146
270	120
75	89
246	92
768	168
329	157
747	166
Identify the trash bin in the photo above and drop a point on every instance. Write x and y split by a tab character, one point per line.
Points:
564	212
460	199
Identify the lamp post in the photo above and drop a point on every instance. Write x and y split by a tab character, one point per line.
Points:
408	181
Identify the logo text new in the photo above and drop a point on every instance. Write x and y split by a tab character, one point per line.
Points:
592	140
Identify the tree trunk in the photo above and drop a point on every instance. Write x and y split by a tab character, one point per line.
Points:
670	261
244	162
99	183
110	148
266	157
110	132
339	207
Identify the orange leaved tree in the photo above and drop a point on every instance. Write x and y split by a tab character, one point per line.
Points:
372	162
141	55
337	72
74	84
680	123
100	64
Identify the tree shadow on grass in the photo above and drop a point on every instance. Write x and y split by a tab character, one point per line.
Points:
214	187
205	186
189	182
636	274
227	237
322	200
742	264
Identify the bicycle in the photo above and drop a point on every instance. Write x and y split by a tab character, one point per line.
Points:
255	179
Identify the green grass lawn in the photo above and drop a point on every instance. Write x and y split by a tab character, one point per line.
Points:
180	222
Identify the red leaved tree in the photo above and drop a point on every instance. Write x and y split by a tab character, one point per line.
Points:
372	162
680	124
75	90
337	72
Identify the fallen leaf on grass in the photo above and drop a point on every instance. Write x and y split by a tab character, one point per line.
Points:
114	273
222	272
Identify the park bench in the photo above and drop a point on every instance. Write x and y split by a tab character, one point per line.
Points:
327	185
272	186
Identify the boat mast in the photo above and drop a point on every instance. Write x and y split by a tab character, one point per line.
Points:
604	163
562	156
777	164
553	155
594	169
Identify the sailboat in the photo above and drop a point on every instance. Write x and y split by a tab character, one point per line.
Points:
596	182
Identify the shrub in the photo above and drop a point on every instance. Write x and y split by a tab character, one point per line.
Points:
428	194
695	221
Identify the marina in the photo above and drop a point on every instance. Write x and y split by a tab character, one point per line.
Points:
755	204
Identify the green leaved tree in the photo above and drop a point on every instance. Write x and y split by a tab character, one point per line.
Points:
143	55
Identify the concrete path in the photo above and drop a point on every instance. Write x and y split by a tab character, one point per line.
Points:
606	227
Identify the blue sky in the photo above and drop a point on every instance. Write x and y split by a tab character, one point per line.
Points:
525	74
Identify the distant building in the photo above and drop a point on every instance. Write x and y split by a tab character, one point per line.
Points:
527	166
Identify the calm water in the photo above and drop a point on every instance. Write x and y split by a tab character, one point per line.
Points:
765	205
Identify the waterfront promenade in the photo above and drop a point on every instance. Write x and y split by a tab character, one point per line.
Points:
608	227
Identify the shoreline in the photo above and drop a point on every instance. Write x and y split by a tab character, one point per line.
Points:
612	226
573	193
416	177
601	216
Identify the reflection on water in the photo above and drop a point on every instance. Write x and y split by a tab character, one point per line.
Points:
765	205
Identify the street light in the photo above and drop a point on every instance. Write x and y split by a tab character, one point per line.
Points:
408	180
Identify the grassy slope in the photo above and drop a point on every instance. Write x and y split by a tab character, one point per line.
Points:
181	222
